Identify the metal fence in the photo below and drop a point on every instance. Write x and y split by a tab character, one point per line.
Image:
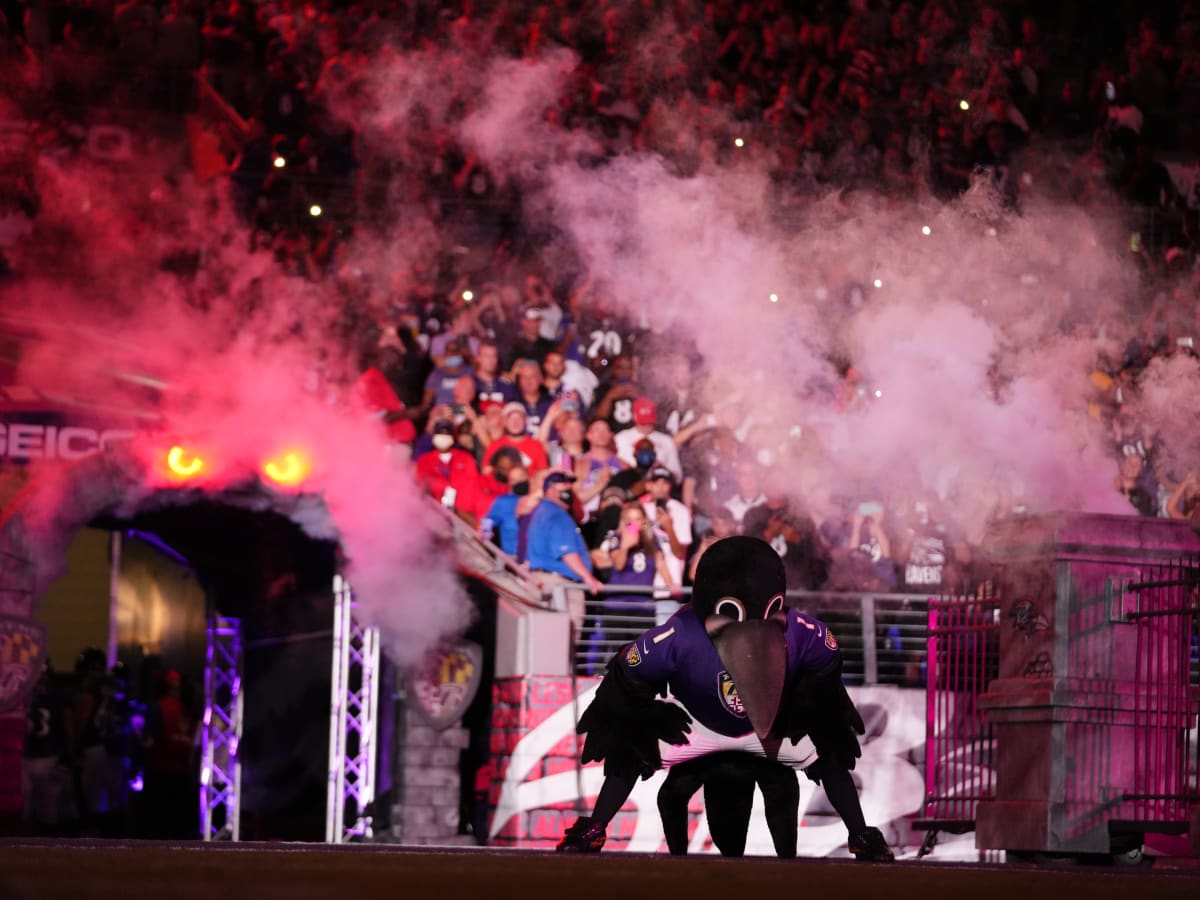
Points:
1166	769
882	636
963	657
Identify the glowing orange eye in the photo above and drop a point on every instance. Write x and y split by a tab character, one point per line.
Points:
289	469
184	464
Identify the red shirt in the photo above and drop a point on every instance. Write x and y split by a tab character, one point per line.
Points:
374	395
458	472
533	454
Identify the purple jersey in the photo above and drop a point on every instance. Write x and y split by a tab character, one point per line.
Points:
680	654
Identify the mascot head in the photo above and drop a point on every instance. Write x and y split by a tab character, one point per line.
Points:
738	595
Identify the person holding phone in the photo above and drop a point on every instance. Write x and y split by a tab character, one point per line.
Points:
636	559
672	522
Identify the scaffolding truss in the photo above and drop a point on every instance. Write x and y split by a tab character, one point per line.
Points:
353	722
221	732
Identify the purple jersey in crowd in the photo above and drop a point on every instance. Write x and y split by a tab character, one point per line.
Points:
680	653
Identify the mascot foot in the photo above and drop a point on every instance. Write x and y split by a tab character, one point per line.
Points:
869	845
582	837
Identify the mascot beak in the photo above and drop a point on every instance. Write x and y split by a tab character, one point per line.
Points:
754	653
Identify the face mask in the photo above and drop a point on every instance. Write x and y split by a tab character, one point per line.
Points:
644	458
453	362
521	488
567	497
443	441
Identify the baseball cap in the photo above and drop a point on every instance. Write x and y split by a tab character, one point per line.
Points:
660	472
485	405
614	492
443	426
557	477
644	411
514	406
532	312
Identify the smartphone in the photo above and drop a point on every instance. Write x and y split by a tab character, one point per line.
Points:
631	528
871	508
1110	91
661	503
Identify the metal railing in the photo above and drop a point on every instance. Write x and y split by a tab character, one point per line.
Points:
963	658
1166	764
882	636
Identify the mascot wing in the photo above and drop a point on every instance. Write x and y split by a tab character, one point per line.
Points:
625	723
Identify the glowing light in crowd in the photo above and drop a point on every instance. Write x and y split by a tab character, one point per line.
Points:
290	469
926	230
738	142
314	210
774	298
964	105
878	283
184	464
468	296
280	162
878	393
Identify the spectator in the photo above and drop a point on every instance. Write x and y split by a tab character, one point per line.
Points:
533	454
500	523
450	474
671	520
531	345
749	492
931	555
374	395
793	535
489	383
532	394
568	444
555	550
439	387
634	557
460	334
645	419
1136	483
633	479
721	525
869	564
616	393
1184	502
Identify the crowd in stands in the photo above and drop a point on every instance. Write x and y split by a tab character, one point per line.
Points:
530	407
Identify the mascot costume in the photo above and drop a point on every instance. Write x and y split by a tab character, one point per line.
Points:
753	692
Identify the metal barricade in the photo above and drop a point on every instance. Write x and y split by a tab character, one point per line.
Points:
882	636
963	657
1166	698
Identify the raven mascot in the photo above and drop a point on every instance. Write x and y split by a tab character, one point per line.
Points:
741	676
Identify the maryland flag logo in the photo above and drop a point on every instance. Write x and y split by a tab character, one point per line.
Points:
830	640
730	696
447	683
632	656
22	655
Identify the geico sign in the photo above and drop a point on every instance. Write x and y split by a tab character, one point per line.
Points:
21	440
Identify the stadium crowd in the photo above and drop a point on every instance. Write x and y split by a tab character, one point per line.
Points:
528	404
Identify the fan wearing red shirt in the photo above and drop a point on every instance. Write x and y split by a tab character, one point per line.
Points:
450	474
533	454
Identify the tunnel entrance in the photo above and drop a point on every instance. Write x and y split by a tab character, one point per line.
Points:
171	559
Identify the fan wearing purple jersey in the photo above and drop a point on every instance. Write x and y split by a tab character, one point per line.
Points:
739	672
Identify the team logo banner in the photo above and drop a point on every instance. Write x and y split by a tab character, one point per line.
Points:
446	684
22	655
